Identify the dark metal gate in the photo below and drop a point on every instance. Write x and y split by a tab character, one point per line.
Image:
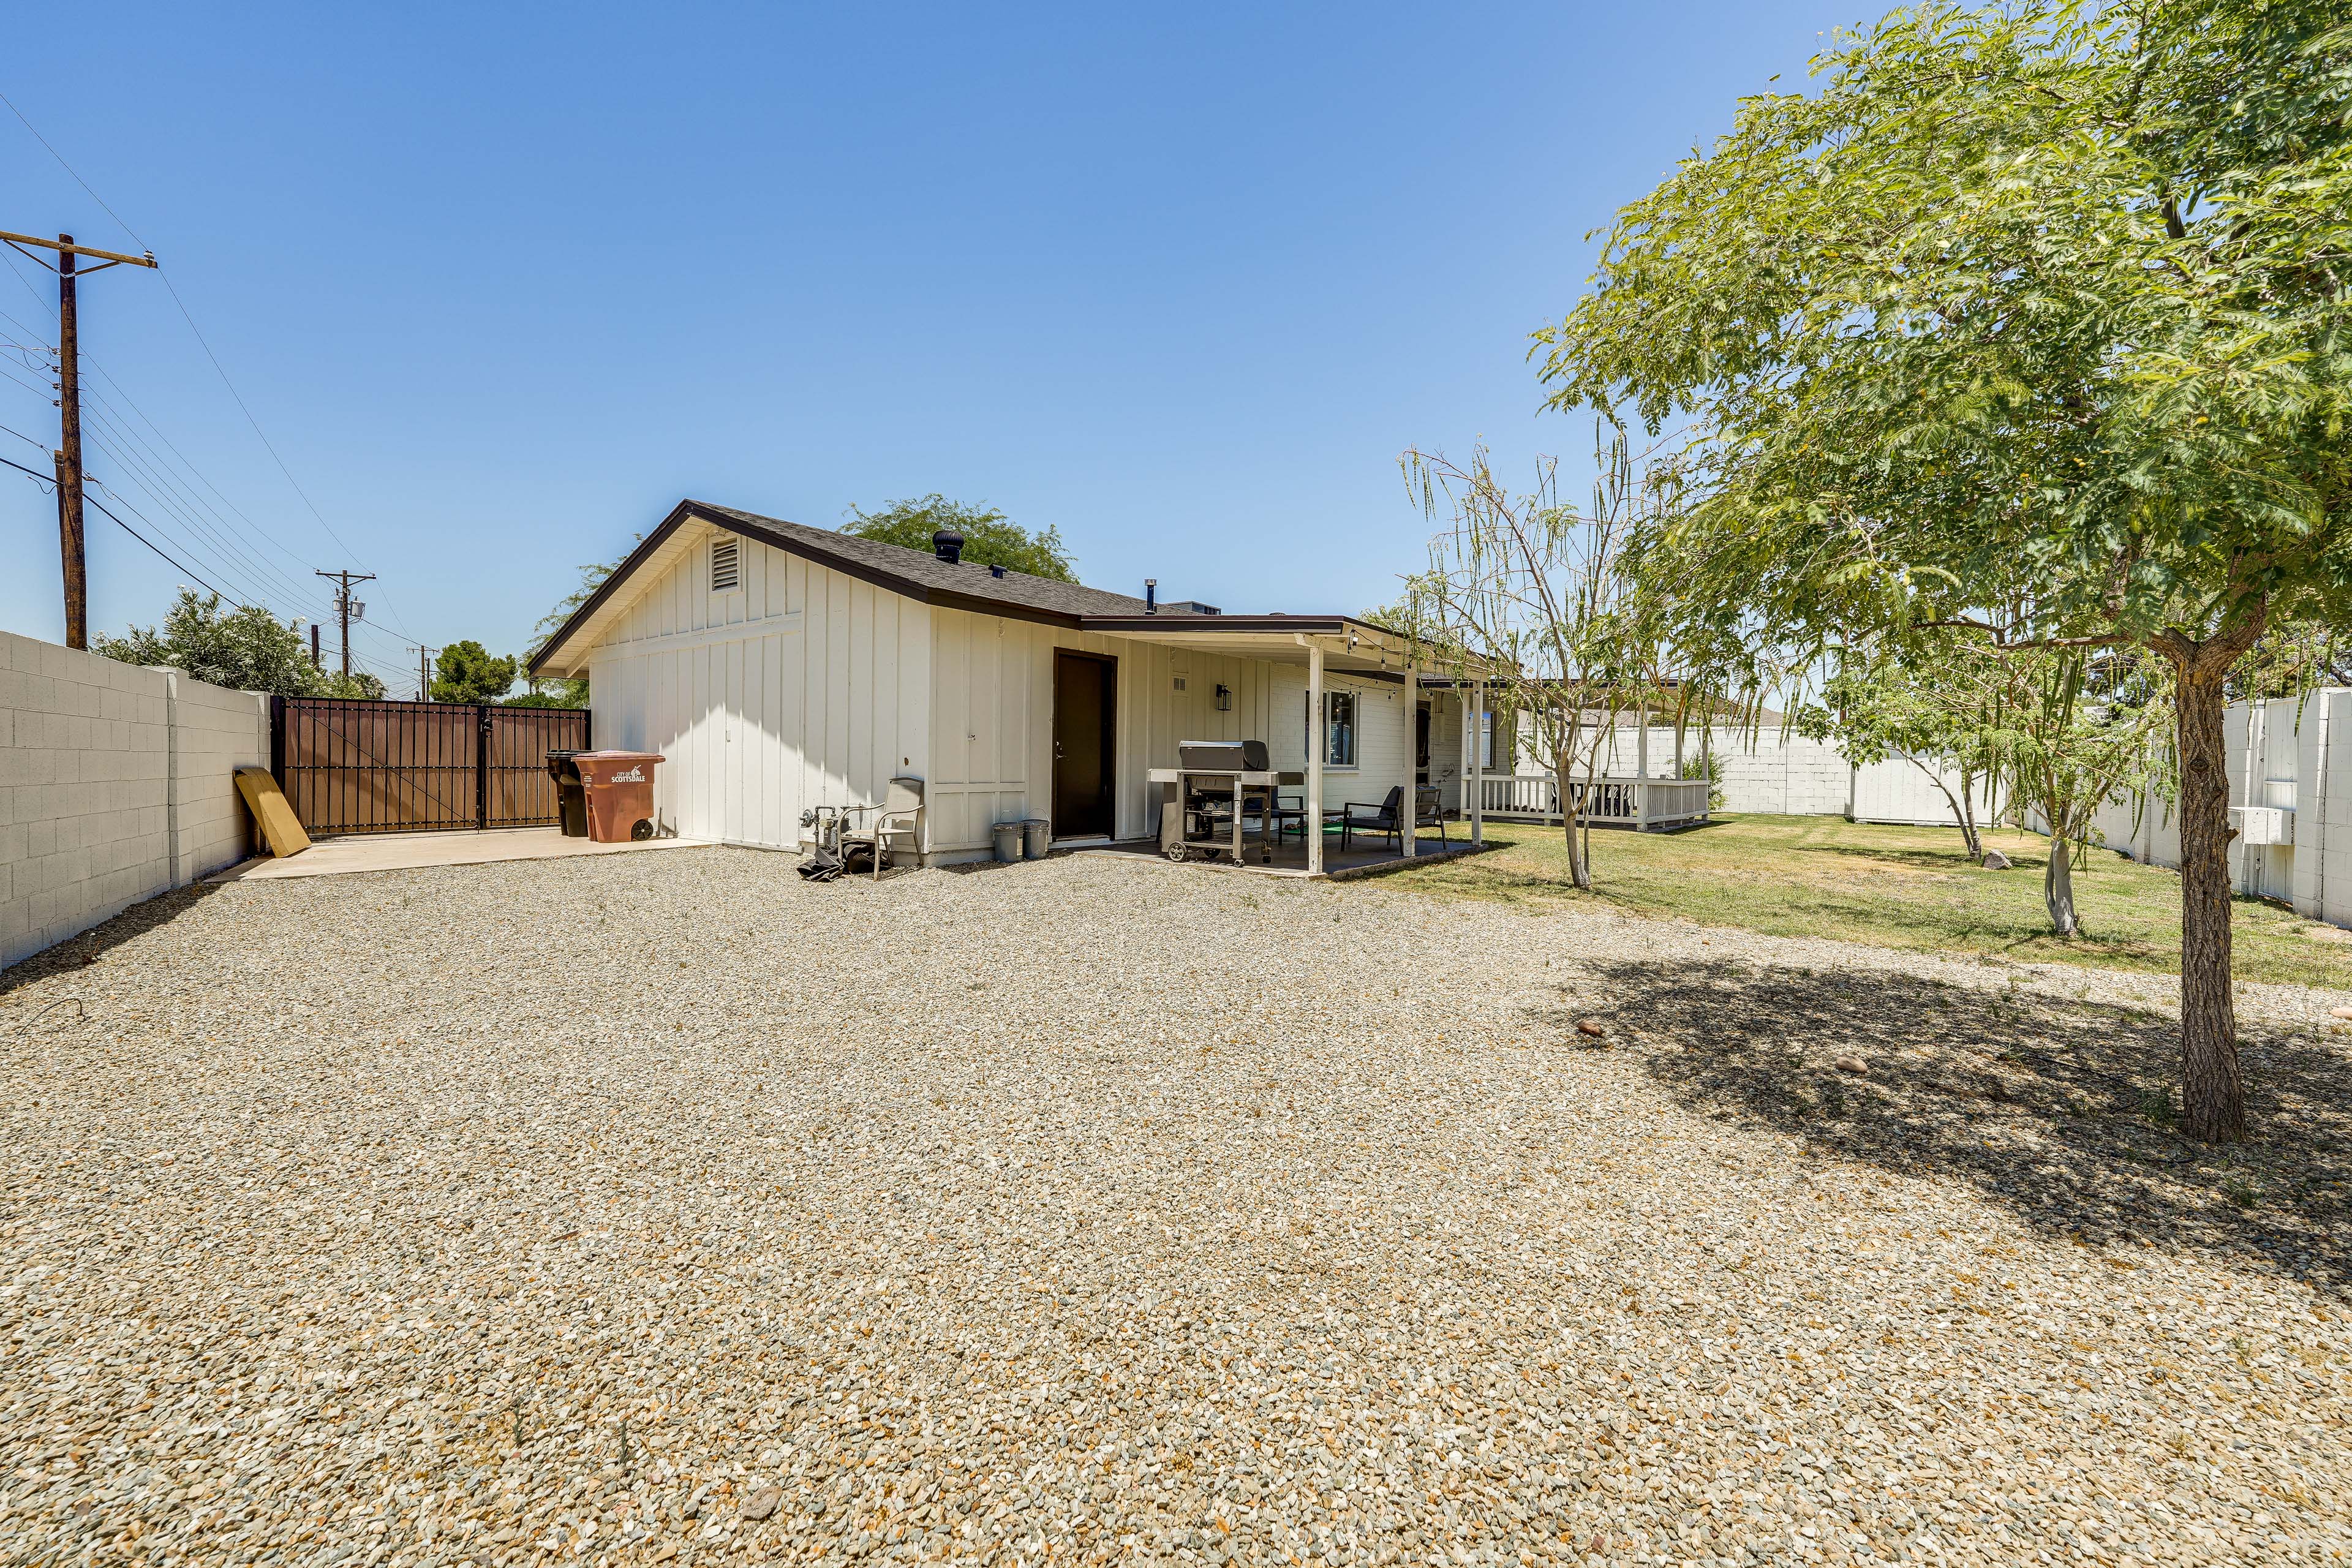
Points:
358	766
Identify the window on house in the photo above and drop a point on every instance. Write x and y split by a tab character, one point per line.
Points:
1486	743
726	565
1339	729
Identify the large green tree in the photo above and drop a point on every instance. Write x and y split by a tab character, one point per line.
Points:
467	672
990	539
2032	322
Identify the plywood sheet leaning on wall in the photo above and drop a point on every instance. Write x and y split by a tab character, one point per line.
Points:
267	803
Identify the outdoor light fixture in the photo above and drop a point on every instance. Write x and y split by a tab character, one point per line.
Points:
1224	699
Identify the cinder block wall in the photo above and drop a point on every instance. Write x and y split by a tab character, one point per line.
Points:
116	783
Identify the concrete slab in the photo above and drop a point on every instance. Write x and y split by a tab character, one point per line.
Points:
360	852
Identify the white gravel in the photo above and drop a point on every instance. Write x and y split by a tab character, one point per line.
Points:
663	1208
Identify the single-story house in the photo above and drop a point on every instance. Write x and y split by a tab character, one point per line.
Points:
778	667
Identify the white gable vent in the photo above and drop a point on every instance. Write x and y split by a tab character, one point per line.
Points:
726	565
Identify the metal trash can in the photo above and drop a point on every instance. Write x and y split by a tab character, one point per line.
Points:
620	790
1039	835
1007	836
570	799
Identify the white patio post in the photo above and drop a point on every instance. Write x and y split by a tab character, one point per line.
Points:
1478	762
1461	772
1706	770
1315	744
1409	813
1641	770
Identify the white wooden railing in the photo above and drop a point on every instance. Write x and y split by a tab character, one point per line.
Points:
1631	802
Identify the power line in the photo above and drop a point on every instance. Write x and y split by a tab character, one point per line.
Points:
202	341
110	436
129	530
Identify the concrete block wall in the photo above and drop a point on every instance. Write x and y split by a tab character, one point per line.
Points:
1779	773
116	783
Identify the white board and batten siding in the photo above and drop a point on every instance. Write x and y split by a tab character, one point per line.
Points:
992	721
801	687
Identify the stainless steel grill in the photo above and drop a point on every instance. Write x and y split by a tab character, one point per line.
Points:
1219	787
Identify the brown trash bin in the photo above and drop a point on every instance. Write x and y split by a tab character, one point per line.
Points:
620	790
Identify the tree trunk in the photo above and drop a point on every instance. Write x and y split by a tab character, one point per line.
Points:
1579	875
1969	834
2058	886
2212	1098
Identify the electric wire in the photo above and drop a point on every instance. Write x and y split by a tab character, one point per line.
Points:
112	438
157	478
202	342
126	527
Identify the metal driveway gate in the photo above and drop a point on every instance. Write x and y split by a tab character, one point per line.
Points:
358	766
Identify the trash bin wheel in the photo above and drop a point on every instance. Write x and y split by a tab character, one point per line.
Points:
642	830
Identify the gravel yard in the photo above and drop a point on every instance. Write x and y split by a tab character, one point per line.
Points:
663	1208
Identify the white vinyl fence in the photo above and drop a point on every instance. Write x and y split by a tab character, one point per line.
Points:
2290	800
117	782
1773	771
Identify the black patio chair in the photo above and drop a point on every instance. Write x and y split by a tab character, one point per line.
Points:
1355	817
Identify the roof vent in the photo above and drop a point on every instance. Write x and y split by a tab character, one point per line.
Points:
726	565
996	571
948	545
1151	596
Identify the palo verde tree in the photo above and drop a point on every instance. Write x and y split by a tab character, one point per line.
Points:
2050	293
2069	728
1932	708
1532	594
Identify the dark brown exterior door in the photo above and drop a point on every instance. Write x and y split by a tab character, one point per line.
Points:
1085	722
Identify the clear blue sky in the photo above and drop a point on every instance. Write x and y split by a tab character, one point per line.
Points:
501	284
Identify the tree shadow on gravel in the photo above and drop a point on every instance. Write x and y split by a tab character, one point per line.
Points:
2063	1110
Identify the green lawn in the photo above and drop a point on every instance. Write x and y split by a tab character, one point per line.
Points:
1896	887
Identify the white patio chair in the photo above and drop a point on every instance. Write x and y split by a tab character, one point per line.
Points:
900	817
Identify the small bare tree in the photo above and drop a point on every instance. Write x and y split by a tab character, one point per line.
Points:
1533	595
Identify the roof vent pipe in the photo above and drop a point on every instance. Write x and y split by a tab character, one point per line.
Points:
1151	596
948	545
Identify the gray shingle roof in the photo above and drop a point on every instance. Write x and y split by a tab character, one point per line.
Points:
921	569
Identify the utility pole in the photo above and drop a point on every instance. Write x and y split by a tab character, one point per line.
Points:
316	663
425	672
68	452
347	609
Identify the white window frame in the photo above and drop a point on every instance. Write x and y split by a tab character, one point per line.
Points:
1486	741
1354	731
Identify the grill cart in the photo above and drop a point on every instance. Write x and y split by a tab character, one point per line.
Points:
1216	787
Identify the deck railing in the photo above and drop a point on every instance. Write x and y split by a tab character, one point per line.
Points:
1630	803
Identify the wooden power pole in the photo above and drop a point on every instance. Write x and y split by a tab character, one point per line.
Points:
346	610
68	453
424	673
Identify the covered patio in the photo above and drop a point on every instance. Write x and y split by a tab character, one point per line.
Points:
1289	857
1420	746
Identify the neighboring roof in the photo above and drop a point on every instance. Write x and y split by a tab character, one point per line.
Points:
918	575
